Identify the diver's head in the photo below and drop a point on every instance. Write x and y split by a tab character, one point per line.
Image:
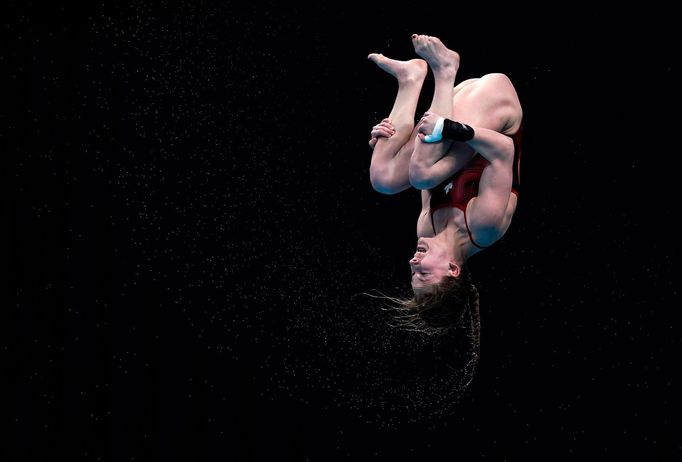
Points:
443	290
433	262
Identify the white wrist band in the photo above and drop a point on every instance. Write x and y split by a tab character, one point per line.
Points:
437	133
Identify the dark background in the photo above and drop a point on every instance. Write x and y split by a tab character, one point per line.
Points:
191	223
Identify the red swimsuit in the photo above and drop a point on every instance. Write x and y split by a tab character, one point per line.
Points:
460	188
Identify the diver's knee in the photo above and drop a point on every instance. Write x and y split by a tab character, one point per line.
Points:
383	181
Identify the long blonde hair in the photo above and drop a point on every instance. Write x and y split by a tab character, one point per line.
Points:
453	304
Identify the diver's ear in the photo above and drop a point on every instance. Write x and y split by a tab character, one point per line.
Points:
454	269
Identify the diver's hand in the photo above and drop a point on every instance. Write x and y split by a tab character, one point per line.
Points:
383	129
426	124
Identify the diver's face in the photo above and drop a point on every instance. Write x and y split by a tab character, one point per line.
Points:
430	264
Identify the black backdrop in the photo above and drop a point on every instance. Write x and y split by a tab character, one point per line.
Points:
191	221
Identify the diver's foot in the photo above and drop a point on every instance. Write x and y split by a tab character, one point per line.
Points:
443	61
413	70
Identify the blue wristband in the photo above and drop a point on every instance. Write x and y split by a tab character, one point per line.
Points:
437	133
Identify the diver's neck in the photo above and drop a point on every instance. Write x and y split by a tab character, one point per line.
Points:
453	240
